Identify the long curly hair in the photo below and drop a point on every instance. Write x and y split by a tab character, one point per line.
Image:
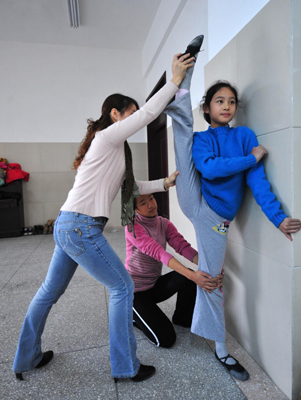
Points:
118	101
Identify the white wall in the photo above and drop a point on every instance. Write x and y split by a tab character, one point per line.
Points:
48	91
262	267
176	25
227	18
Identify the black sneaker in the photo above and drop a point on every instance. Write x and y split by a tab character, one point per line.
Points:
236	370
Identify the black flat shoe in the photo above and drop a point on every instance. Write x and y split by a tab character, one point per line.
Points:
19	376
145	372
236	370
47	357
194	46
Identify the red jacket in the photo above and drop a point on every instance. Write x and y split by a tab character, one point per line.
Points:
14	173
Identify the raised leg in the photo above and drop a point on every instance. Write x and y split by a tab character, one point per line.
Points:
188	182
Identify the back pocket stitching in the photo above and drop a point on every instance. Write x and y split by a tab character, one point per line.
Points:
69	240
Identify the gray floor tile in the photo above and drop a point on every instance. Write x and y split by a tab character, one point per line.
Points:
6	273
12	313
186	371
81	375
78	321
28	277
77	331
14	257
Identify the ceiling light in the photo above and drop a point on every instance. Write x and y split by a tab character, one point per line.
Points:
73	9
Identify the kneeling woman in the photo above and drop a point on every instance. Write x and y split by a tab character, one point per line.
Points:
145	253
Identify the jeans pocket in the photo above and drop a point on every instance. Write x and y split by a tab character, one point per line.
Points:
71	242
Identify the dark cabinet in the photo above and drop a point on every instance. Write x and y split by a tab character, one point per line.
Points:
11	209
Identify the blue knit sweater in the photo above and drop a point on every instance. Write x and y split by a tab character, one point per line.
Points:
223	156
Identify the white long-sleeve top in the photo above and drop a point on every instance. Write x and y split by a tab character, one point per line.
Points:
102	171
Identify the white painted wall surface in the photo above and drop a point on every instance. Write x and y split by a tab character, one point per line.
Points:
227	18
48	91
182	22
262	267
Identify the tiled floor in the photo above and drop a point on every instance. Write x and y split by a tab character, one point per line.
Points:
77	332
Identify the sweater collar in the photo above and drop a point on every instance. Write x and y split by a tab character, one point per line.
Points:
147	221
220	129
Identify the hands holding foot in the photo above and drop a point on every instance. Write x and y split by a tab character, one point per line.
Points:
179	66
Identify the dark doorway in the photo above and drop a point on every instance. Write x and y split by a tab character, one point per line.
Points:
158	152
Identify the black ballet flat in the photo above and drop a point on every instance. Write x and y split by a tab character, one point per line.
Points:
194	46
46	358
145	372
236	370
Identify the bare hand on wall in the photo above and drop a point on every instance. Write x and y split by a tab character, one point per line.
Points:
259	152
290	225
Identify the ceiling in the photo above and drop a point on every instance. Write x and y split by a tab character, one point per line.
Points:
110	24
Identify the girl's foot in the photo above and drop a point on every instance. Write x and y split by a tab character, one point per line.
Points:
236	370
194	46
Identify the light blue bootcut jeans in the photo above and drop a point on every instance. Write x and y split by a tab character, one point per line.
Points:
79	241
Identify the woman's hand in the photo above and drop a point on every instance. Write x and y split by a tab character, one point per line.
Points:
206	282
171	180
290	225
259	152
179	67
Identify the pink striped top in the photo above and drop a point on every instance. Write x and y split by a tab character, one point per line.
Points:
146	253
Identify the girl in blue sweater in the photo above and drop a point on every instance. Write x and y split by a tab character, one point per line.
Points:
214	167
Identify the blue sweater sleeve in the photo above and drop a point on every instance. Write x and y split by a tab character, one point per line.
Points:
211	166
261	189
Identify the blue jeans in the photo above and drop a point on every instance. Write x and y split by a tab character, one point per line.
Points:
79	241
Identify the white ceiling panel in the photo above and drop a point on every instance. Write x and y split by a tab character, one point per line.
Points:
113	24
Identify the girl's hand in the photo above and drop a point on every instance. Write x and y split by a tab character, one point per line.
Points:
179	67
259	152
290	225
171	180
206	282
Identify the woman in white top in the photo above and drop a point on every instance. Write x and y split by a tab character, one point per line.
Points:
103	163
